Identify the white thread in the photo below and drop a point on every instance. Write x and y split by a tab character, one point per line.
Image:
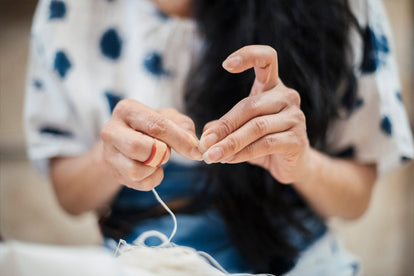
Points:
172	215
152	233
169	257
212	261
121	241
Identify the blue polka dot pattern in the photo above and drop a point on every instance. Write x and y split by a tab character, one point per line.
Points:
386	125
38	84
111	44
112	100
161	15
348	152
61	64
355	268
374	48
399	96
55	131
153	64
57	9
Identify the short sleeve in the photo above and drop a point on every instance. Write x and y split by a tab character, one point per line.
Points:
51	122
374	128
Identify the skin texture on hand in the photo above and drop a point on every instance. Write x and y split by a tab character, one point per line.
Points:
268	128
91	180
130	135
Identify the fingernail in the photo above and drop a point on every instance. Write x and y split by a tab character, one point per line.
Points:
232	62
207	141
213	155
196	154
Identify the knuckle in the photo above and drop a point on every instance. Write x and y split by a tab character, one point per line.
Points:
233	144
295	140
106	133
272	51
261	125
269	142
298	116
156	126
250	104
249	151
122	107
301	116
226	126
293	96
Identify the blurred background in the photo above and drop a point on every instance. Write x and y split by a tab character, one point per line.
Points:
383	237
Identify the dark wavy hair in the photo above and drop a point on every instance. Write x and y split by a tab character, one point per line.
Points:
312	41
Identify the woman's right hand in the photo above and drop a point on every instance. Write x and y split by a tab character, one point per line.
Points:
128	139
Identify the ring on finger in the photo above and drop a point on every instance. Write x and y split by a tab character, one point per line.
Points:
158	154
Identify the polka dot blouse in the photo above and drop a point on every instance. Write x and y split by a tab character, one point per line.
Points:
88	55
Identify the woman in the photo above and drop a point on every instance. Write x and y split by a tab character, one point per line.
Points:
297	140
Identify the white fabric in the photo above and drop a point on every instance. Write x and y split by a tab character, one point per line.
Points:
23	259
378	91
325	258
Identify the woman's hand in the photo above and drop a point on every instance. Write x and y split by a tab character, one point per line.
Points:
268	128
136	133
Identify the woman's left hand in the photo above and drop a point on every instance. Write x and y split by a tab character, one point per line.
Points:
268	128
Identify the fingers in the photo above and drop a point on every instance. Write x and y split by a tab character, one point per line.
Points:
248	134
151	181
287	142
136	142
180	119
208	125
260	57
132	173
131	143
246	110
152	123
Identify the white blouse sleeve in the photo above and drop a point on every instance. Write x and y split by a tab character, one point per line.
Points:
375	128
51	122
